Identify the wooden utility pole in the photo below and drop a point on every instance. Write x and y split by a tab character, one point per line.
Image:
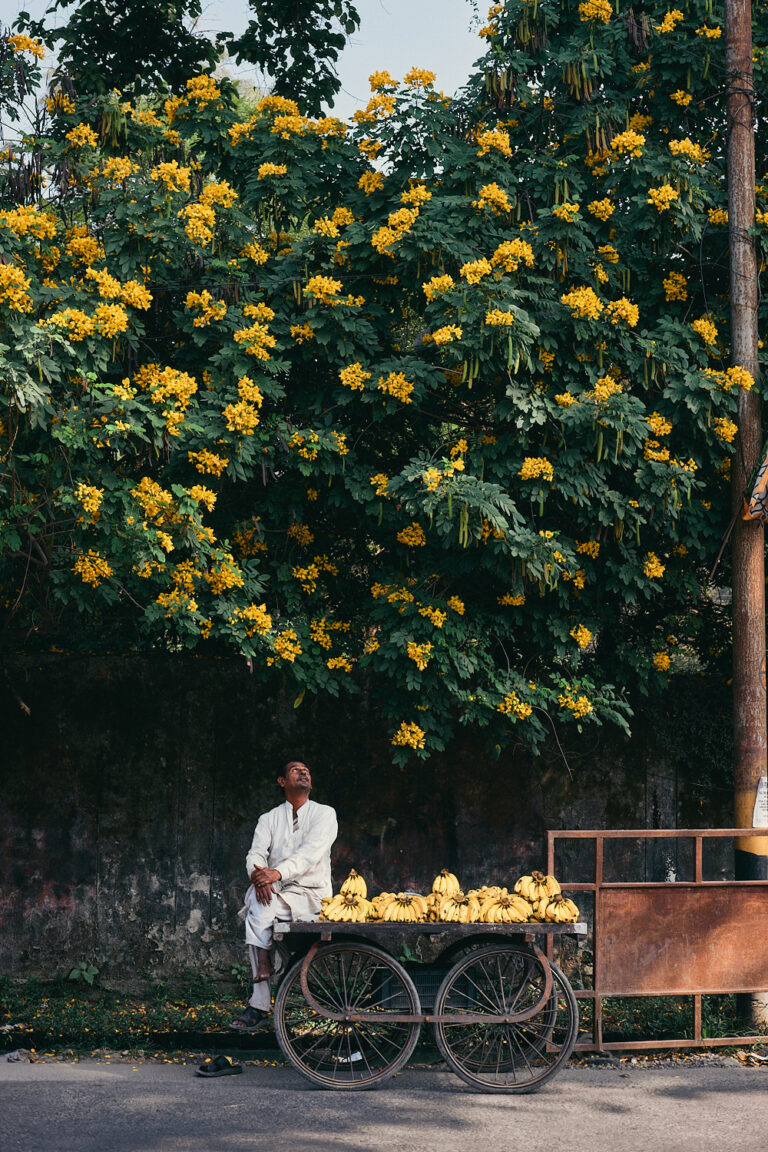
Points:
750	763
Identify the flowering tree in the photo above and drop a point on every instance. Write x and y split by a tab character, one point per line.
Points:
436	401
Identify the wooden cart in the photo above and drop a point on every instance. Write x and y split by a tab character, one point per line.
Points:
348	1013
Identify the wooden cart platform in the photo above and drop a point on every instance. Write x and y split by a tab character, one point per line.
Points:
348	1012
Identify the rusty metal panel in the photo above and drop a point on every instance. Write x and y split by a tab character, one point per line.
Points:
681	939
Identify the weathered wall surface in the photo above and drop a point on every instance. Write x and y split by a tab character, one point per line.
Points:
129	794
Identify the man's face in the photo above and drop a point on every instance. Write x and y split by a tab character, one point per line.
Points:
296	777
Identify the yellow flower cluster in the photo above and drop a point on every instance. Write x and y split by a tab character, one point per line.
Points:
710	33
395	384
206	307
270	169
511	599
725	428
675	286
22	43
398	224
170	387
90	498
92	568
29	221
496	318
13	288
493	197
257	339
302	332
416	196
444	335
174	177
287	646
218	192
475	270
662	197
578	705
566	212
718	216
370	182
537	466
671	19
203	90
658	425
706	329
653	568
738	377
256	253
682	98
200	222
203	496
323	289
629	143
583	302
413	536
343	663
421	654
256	618
437	285
381	79
596	10
82	247
380	481
83	136
419	78
110	319
436	616
581	635
653	451
565	399
602	209
208	462
609	253
686	147
241	417
661	661
155	502
307	576
78	325
512	705
511	254
456	605
623	309
225	575
409	735
494	138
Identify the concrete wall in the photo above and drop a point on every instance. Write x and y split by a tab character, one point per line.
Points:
129	793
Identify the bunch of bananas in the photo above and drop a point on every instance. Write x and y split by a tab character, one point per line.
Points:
345	908
445	883
354	885
503	908
537	887
535	897
460	908
403	908
559	910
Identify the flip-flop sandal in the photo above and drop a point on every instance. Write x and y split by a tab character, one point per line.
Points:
220	1066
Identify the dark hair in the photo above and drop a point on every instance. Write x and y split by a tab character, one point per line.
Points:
292	760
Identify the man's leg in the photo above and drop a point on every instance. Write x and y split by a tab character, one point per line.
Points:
258	934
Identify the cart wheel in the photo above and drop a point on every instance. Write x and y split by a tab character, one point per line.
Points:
334	1054
497	980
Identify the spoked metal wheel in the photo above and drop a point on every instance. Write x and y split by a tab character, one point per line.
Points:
347	978
505	1057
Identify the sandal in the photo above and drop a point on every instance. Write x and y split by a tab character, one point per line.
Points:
219	1066
252	1020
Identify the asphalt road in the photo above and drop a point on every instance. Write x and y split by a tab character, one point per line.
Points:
92	1107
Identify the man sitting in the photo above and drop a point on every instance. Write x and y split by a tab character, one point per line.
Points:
289	866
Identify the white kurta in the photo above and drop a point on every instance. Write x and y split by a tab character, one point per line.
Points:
303	859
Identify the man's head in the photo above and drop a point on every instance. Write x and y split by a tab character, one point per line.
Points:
295	778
